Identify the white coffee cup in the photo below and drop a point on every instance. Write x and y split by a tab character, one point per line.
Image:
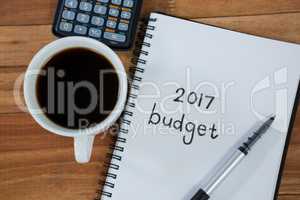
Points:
83	138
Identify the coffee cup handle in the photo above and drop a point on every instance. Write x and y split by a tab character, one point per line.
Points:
83	146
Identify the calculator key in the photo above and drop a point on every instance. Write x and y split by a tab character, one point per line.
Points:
67	14
85	6
125	15
128	3
114	36
100	9
123	26
104	1
94	32
116	2
65	26
71	3
79	29
83	18
114	12
111	24
98	21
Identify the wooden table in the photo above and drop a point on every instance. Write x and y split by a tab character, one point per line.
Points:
37	165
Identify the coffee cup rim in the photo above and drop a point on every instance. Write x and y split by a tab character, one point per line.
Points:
44	55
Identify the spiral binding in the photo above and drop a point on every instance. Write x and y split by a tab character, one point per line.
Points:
136	70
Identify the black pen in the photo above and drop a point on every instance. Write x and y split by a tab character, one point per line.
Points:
232	162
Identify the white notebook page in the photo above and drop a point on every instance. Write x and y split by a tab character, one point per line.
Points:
249	78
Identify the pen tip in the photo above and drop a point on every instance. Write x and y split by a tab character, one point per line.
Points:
273	117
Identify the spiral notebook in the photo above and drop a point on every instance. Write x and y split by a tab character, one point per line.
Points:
197	89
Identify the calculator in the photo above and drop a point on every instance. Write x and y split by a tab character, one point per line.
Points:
112	22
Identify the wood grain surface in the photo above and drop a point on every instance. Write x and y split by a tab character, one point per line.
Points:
35	164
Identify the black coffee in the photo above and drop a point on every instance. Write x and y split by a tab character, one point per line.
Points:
77	88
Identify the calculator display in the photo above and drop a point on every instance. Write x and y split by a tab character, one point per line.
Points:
110	21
